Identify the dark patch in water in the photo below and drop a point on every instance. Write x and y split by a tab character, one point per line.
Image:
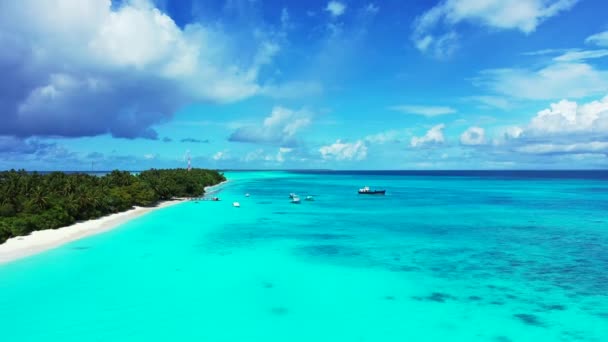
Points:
264	202
327	236
405	268
475	298
267	285
502	339
437	297
80	248
389	297
279	311
280	212
554	307
529	319
331	250
497	302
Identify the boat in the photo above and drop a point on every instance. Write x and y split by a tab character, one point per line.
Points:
236	204
216	199
292	195
295	199
246	195
310	198
367	191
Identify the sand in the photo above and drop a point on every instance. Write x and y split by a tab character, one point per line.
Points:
42	240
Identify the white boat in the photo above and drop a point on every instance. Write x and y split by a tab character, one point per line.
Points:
295	199
236	204
292	195
246	195
310	198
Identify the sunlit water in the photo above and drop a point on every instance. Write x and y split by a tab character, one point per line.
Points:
483	257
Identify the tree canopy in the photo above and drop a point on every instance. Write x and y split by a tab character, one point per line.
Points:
34	201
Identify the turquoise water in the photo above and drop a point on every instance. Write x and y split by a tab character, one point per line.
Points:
452	257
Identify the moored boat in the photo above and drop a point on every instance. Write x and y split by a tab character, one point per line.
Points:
367	191
295	199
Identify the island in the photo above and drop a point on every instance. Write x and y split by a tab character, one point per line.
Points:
32	201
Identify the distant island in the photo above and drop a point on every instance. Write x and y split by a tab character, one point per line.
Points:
33	201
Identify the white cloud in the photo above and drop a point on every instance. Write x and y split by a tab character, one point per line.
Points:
599	39
566	127
491	101
372	8
429	111
344	151
580	55
131	59
575	148
513	132
383	137
335	8
522	15
260	155
559	80
280	127
570	117
280	157
473	136
433	136
220	155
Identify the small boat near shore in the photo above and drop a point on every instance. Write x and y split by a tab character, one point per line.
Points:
295	199
309	198
236	204
367	191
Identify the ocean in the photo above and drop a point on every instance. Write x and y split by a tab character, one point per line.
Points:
443	256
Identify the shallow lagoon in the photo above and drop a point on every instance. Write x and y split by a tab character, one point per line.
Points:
449	257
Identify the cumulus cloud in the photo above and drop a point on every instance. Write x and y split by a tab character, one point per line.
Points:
335	8
599	39
433	136
83	68
566	127
429	111
547	83
567	117
473	136
344	151
280	127
430	28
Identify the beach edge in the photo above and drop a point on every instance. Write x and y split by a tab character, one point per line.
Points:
39	241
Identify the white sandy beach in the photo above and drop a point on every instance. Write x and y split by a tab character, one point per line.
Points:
42	240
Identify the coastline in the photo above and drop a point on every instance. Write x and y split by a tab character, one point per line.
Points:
42	240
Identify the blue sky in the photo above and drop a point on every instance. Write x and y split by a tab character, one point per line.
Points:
453	84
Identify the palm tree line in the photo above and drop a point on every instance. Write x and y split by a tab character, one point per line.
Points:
34	201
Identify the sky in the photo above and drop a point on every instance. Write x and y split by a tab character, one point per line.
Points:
254	84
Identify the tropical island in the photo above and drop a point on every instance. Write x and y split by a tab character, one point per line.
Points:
32	201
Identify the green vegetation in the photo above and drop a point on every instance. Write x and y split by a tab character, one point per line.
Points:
31	201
